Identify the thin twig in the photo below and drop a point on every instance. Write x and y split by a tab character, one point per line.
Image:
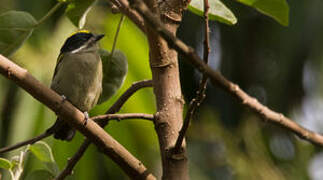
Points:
23	143
106	117
113	109
117	34
200	93
100	118
72	161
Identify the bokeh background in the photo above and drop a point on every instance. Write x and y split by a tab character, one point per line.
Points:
281	66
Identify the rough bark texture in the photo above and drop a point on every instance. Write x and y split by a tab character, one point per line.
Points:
167	89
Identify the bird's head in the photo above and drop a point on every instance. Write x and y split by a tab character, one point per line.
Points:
80	41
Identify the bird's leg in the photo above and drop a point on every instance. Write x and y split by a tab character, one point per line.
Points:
86	117
55	125
86	114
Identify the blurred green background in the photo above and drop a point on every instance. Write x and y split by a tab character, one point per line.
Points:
281	66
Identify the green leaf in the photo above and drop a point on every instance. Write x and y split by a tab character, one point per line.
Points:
277	9
15	28
52	167
39	174
42	151
115	69
218	11
5	164
77	11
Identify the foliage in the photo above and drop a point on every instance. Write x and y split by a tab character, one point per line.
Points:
5	163
42	152
218	11
15	28
277	9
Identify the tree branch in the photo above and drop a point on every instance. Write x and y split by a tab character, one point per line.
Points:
206	49
127	94
113	109
72	161
132	166
200	93
23	143
107	117
167	88
123	6
100	118
219	80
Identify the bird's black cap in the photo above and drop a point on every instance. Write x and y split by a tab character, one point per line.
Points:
78	39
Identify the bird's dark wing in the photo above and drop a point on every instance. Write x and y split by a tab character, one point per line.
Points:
59	60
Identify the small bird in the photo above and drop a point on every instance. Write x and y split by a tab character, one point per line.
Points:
77	77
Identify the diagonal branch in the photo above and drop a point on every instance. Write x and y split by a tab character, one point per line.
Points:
109	146
107	117
113	109
72	161
24	143
219	80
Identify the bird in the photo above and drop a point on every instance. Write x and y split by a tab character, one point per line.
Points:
77	77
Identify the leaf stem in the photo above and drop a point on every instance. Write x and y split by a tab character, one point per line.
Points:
50	13
116	35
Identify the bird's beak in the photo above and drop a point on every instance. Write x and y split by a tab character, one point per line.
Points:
98	37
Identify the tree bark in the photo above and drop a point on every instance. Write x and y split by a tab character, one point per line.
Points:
167	89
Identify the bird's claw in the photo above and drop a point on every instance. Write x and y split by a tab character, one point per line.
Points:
86	118
63	98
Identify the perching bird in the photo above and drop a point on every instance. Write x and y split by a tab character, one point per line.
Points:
78	77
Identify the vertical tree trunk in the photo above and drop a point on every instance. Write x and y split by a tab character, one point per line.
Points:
167	89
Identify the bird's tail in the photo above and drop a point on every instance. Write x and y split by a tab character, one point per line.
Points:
62	130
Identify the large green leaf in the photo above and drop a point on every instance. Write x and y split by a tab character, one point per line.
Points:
5	164
115	69
218	11
42	151
77	10
15	28
277	9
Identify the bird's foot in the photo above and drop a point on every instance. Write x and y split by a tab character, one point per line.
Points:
63	98
86	118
